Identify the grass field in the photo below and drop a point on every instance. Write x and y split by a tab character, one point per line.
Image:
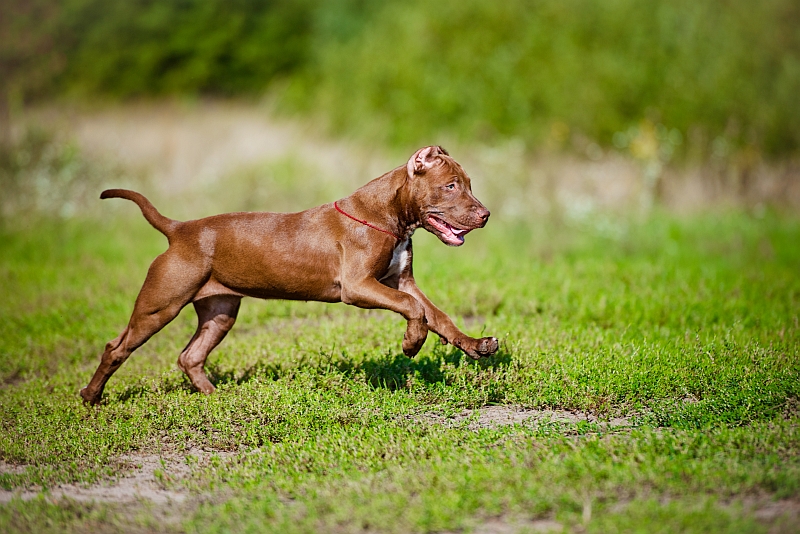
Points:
650	368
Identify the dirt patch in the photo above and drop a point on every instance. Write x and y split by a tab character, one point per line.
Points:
496	416
769	511
511	526
148	477
11	469
779	515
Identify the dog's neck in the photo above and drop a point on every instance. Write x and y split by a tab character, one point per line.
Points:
385	202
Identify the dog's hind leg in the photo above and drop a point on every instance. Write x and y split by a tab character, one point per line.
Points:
215	317
171	283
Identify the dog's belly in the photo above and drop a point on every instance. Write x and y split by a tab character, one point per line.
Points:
323	290
274	256
322	293
277	275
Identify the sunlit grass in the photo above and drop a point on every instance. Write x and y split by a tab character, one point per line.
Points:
686	329
689	328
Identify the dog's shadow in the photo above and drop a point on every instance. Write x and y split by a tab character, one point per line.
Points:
393	371
397	371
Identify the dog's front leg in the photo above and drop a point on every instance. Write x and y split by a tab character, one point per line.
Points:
440	323
369	293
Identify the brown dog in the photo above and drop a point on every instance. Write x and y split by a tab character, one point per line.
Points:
356	251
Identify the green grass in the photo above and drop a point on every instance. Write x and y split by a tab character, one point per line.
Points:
686	327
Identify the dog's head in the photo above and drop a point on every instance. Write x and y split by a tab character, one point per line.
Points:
443	196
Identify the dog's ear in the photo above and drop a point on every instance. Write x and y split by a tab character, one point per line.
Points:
423	159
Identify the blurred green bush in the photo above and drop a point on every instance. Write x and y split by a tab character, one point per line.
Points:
721	73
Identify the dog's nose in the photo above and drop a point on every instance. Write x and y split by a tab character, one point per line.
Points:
483	214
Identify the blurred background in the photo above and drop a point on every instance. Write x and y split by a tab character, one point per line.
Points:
557	108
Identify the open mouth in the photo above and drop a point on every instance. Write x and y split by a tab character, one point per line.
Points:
448	233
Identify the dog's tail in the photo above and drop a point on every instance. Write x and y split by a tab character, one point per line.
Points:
165	225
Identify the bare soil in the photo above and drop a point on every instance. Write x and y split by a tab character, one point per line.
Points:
155	477
146	477
153	480
495	416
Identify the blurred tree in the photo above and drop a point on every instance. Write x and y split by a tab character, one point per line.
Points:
546	71
141	47
480	69
29	52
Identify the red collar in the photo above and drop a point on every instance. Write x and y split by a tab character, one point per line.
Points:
335	205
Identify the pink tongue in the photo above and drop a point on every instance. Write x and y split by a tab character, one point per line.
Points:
454	233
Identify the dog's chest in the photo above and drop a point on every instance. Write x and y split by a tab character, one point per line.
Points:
400	256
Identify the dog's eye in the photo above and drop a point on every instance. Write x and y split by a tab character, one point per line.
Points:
450	187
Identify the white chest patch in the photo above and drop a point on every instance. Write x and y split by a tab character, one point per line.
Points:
399	260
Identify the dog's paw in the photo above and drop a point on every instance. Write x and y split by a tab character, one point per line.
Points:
414	338
91	400
488	346
411	349
480	348
412	346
